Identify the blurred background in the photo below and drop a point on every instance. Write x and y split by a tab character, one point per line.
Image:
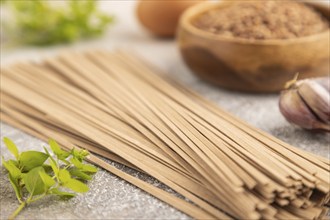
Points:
122	31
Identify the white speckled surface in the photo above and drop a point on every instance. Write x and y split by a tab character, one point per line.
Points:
111	197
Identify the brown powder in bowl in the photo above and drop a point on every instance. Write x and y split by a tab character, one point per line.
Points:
263	20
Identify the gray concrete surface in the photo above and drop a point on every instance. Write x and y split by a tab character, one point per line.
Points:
111	197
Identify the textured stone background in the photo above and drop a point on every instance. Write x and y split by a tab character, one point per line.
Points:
111	197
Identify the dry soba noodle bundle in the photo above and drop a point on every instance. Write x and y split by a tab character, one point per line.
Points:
117	106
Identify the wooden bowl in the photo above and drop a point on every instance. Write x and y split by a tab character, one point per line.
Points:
251	65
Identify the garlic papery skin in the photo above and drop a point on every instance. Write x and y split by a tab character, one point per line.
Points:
317	98
306	103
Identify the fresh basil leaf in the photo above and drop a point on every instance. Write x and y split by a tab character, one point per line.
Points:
64	176
12	169
33	181
15	185
31	159
48	181
11	147
63	194
76	186
75	172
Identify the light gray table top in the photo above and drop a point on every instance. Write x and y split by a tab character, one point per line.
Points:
111	197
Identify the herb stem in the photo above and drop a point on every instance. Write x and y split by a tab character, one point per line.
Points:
17	211
33	200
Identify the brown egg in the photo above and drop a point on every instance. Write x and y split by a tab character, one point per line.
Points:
161	17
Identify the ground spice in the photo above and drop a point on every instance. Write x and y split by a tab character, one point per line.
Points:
263	20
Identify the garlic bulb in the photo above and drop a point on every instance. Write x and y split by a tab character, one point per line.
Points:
306	103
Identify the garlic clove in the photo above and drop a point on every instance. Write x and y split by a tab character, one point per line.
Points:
297	112
317	99
325	82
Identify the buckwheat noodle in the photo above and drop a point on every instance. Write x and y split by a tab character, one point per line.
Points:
120	107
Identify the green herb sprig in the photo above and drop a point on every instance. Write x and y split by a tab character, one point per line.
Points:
41	22
32	178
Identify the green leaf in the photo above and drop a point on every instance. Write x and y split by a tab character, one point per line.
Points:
64	176
75	154
48	181
76	163
61	154
22	179
47	152
55	147
14	162
36	176
14	183
79	174
83	167
76	186
33	181
31	159
79	154
54	166
48	169
12	169
52	162
42	23
63	194
65	161
11	147
89	168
